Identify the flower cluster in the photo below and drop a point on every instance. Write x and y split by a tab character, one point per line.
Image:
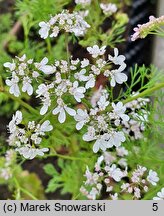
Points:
106	172
112	168
27	139
140	181
141	31
20	74
6	171
72	78
104	128
68	22
108	9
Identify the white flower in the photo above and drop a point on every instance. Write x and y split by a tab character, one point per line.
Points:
44	31
118	112
102	143
21	59
91	177
27	87
13	83
42	66
46	103
153	177
69	22
29	153
160	195
77	92
108	9
114	197
108	141
31	125
137	192
46	127
95	51
115	173
83	2
121	151
9	65
117	76
116	138
80	75
117	59
35	74
35	137
93	193
16	120
84	63
43	92
91	81
55	32
81	117
62	109
102	103
90	135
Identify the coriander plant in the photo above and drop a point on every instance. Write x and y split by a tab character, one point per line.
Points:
82	112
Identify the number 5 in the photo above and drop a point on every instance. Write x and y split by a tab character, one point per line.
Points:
155	207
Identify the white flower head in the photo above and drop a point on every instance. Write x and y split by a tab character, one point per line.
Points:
44	30
81	117
16	120
83	2
117	76
95	51
47	69
90	135
9	65
103	103
77	92
115	173
91	81
27	87
108	9
153	177
117	59
46	127
13	84
62	108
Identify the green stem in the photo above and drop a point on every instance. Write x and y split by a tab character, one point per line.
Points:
24	190
28	193
67	49
64	157
49	48
144	93
21	102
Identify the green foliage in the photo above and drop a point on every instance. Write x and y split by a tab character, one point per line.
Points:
66	180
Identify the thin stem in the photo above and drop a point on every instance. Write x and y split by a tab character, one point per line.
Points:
67	50
49	48
21	102
24	190
64	157
28	193
144	93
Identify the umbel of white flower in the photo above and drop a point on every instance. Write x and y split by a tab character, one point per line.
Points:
70	79
27	140
68	22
